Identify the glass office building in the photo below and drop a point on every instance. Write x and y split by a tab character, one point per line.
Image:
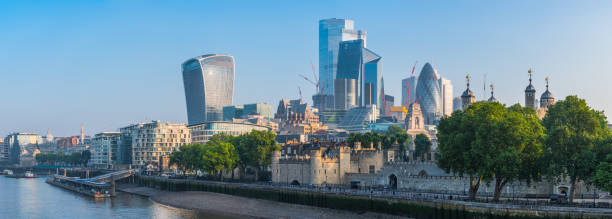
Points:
209	86
428	94
331	33
201	133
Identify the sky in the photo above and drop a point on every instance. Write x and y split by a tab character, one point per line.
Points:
107	64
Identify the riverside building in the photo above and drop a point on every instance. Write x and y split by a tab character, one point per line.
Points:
105	149
152	142
201	133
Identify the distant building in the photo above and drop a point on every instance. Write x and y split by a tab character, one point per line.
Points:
357	118
154	140
546	101
457	103
201	133
296	117
359	78
389	102
105	149
429	94
331	33
446	92
409	86
492	99
243	111
209	86
398	112
4	151
22	148
323	102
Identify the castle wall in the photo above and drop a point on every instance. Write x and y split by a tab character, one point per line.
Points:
362	160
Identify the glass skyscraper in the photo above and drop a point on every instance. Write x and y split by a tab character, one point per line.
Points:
209	86
408	84
331	33
429	94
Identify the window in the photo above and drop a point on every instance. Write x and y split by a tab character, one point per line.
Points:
371	168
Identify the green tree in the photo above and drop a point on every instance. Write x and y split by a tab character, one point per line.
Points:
572	131
219	156
603	175
422	145
255	150
490	142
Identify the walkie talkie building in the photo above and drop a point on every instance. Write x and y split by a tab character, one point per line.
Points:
209	86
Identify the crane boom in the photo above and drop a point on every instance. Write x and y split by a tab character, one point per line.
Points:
408	99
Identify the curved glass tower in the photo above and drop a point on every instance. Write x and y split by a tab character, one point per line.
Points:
428	94
209	86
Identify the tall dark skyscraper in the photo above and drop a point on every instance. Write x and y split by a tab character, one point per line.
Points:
209	86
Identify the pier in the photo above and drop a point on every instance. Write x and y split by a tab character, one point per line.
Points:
102	186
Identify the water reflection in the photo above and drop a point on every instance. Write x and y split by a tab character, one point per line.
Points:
33	198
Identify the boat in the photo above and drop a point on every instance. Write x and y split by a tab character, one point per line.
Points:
83	186
7	172
29	174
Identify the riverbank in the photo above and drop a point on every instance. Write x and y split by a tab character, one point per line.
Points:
241	207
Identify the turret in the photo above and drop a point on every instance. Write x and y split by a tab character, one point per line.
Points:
467	98
547	99
316	165
492	99
275	166
530	99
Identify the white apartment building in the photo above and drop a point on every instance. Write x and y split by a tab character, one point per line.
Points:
154	141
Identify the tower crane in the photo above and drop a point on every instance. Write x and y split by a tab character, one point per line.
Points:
408	99
316	82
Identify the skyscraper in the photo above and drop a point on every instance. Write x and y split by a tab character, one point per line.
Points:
408	84
446	92
209	86
359	78
331	33
429	94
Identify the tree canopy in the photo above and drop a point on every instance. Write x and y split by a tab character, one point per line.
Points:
573	131
422	145
489	142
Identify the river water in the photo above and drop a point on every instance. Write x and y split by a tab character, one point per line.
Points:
33	198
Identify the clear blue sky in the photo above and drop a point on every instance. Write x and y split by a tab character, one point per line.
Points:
112	63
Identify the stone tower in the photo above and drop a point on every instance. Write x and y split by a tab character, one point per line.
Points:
414	118
316	165
275	166
530	99
547	99
467	98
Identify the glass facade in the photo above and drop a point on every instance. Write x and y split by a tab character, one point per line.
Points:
429	95
409	84
201	133
331	33
209	86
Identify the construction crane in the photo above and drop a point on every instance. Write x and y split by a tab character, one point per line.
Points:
408	99
317	83
300	93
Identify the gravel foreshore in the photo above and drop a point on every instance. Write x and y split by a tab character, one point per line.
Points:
241	207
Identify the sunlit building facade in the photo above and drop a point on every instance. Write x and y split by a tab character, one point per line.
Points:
105	149
209	86
155	140
331	33
429	94
201	133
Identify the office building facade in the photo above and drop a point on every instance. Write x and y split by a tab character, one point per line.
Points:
446	92
409	87
331	33
201	133
209	86
22	148
105	149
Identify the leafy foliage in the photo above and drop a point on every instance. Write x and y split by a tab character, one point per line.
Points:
573	131
76	158
603	175
490	142
422	145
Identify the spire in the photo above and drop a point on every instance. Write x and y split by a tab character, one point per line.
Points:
529	72
467	78
546	83
82	133
491	89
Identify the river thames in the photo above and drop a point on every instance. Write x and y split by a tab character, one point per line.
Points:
33	198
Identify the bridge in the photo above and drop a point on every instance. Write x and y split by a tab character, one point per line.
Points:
109	177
